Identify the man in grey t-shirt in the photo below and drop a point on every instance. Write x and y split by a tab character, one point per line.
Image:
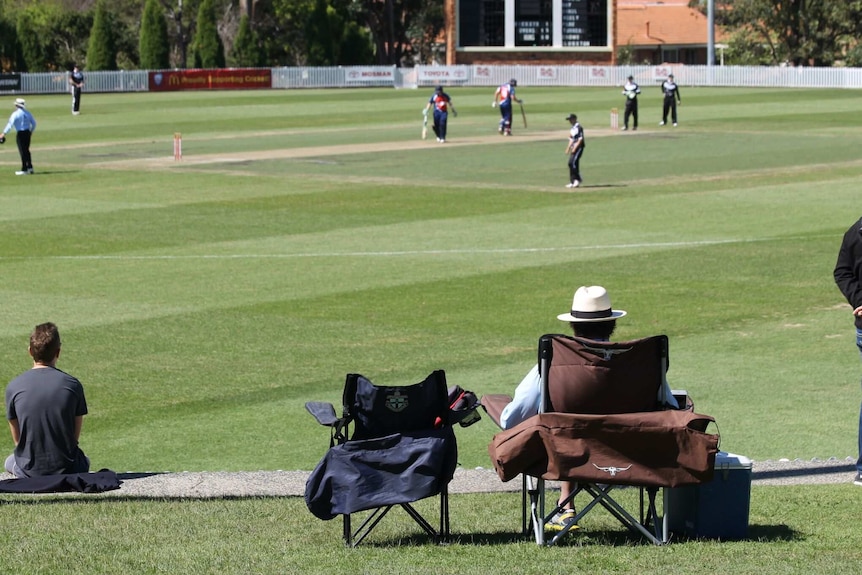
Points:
45	408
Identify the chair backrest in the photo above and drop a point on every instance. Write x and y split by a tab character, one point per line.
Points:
383	410
584	376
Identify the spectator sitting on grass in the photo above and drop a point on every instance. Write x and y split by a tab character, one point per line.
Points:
45	408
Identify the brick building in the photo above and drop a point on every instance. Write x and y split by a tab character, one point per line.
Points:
587	32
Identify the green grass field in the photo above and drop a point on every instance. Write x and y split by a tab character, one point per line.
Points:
203	302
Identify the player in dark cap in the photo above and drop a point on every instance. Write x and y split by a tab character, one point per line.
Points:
671	97
631	91
575	150
76	82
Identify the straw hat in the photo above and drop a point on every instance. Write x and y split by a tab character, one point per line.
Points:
591	303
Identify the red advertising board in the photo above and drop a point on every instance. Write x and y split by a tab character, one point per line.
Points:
218	79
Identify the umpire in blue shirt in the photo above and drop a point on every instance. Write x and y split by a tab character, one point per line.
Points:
25	124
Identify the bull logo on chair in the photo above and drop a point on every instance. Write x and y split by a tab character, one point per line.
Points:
612	470
607	354
396	402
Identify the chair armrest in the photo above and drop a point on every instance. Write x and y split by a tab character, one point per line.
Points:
323	412
494	404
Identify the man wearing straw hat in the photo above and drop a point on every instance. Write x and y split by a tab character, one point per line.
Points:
25	124
591	317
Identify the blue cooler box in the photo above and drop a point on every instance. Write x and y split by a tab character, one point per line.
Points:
714	510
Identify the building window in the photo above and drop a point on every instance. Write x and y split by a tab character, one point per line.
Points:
556	23
533	20
482	22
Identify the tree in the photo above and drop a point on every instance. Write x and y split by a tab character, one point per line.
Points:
32	50
356	47
323	34
102	52
424	32
154	50
287	42
10	50
208	47
246	49
800	32
389	22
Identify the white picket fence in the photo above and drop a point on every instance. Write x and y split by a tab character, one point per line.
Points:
480	75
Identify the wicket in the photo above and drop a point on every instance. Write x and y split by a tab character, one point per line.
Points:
178	146
615	119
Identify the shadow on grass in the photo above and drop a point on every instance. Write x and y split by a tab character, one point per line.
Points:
823	470
600	537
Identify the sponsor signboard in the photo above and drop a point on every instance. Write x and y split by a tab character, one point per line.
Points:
444	75
360	74
546	73
219	79
10	82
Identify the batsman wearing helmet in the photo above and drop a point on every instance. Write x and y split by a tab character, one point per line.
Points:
441	103
504	96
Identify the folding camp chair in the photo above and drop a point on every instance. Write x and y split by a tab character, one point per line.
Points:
603	423
402	449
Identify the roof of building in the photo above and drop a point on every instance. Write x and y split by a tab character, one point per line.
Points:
669	23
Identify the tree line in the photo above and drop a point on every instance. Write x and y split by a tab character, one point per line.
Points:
50	35
790	32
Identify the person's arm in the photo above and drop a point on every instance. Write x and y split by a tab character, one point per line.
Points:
8	127
496	98
79	423
525	404
845	272
16	431
678	97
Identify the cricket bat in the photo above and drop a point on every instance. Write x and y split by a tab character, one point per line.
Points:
425	128
523	114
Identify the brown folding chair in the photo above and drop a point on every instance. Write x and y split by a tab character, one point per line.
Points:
603	424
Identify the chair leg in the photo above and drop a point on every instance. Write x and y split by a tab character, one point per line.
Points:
602	496
534	489
444	515
354	538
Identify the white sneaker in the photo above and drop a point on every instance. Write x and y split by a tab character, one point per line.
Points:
661	123
576	183
674	124
570	185
624	128
76	113
21	173
441	140
30	171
